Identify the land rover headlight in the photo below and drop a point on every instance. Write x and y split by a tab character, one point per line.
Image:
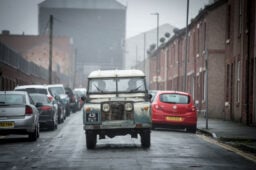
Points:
105	107
128	106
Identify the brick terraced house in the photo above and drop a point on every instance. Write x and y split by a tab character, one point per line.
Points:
221	49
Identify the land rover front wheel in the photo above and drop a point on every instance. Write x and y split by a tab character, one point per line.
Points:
145	139
91	139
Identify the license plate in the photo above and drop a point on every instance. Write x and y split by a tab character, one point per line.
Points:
177	119
6	124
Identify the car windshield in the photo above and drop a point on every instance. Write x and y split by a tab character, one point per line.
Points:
79	93
113	85
40	99
12	99
56	90
174	98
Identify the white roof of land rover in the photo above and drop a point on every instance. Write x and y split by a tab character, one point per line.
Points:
116	73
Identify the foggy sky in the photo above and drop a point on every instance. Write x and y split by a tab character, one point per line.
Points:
20	16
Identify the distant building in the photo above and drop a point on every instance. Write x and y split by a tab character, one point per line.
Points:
97	28
137	47
35	49
15	70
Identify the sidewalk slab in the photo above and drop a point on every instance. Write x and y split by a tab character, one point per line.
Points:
234	133
226	129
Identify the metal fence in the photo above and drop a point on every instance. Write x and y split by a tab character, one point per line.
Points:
15	60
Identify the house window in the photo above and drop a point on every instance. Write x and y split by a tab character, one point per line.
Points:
228	22
238	82
188	48
193	85
198	40
240	21
172	55
204	36
204	85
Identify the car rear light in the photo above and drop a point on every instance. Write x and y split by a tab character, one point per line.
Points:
157	107
46	108
28	110
193	108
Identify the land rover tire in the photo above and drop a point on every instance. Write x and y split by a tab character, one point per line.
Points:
145	139
91	139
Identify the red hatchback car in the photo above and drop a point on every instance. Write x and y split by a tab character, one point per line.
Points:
174	109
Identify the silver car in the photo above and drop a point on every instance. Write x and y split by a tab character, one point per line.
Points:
18	115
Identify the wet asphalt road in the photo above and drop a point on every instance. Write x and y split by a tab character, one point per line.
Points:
65	148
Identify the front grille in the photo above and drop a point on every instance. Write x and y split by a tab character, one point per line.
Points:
117	112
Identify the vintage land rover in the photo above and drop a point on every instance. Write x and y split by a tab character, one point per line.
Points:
117	103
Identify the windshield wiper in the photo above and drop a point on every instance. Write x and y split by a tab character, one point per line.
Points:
171	102
136	89
100	90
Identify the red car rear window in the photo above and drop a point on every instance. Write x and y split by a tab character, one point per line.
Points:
174	98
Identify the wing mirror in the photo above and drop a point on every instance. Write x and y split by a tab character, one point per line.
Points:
83	98
57	98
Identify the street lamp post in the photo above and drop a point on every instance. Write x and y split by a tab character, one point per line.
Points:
158	58
50	50
186	51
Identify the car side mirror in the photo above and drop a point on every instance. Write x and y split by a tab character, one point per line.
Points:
83	98
150	96
57	98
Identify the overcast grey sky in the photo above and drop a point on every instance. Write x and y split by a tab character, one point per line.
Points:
20	16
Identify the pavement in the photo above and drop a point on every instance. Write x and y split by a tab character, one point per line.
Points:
230	132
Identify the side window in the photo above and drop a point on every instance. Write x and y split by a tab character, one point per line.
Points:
30	100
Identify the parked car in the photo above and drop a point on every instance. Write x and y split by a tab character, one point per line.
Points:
18	115
44	89
113	108
74	102
80	93
174	109
48	115
58	91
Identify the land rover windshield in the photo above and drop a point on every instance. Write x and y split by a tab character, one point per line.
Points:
117	85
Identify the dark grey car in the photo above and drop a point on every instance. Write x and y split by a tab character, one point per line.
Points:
48	115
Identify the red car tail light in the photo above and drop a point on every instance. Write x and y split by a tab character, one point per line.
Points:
28	110
193	108
157	107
